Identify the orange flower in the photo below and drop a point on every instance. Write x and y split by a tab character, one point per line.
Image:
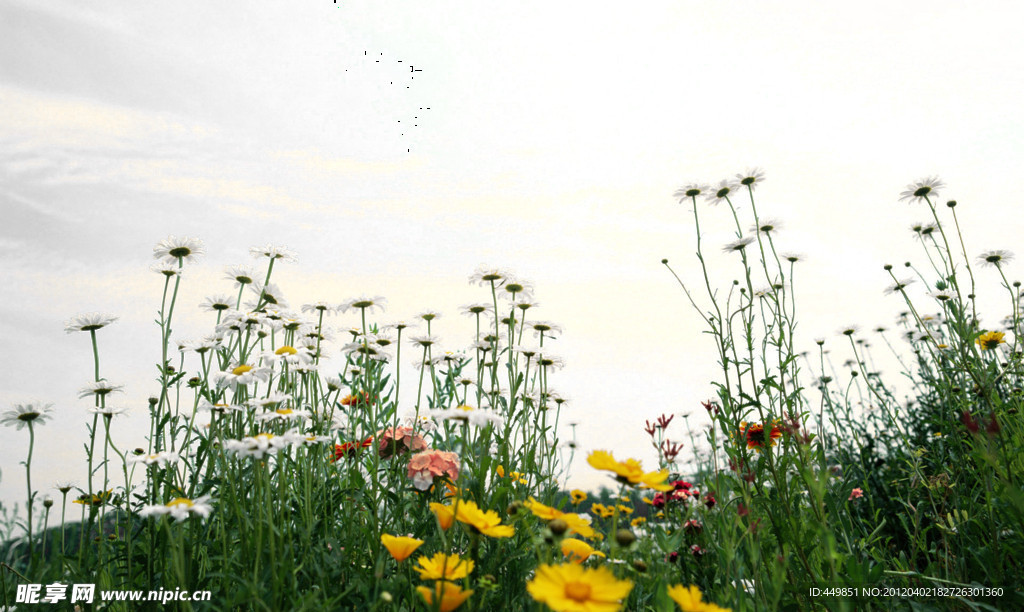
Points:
450	595
445	514
350	449
400	547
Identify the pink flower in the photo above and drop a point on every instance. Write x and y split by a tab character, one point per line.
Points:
398	440
854	494
424	467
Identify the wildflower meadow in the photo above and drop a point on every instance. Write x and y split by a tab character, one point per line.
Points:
413	477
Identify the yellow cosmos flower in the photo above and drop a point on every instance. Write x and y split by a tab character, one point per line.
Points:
445	514
638	521
578	496
571	588
990	340
449	594
602	510
541	511
486	522
443	567
400	547
629	471
578	551
624	509
690	599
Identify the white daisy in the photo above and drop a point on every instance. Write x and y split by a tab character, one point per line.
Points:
476	309
100	387
273	252
218	303
738	245
364	303
923	189
318	308
269	294
258	446
108	411
242	374
692	190
274	399
180	508
284	414
21	415
720	191
240	275
751	178
484	276
178	249
89	322
160	459
167	268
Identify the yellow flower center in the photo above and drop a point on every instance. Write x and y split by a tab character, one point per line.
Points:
180	501
242	369
578	591
286	350
466	408
283	411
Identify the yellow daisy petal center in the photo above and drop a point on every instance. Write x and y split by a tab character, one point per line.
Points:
577	591
242	369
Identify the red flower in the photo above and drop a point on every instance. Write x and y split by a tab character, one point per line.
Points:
756	438
350	449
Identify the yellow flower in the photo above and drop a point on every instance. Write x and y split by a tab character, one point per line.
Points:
400	547
450	595
990	340
578	496
445	514
578	551
638	521
690	599
500	471
602	510
571	588
486	522
624	509
575	522
629	471
443	567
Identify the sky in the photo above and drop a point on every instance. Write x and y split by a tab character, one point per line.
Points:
396	147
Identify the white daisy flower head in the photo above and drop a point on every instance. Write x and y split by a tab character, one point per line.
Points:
474	416
159	459
923	189
209	343
276	398
751	178
217	303
88	322
422	423
64	486
364	303
274	253
476	309
428	315
525	305
691	190
995	258
399	325
21	415
485	276
429	362
517	289
284	414
550	360
241	374
100	387
240	275
318	308
174	249
546	329
923	230
287	354
269	294
766	226
257	447
180	508
738	245
368	349
220	408
333	383
167	268
528	351
721	191
425	340
108	411
899	286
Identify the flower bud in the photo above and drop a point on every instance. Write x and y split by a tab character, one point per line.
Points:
558	527
624	537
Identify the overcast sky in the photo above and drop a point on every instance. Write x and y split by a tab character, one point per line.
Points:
398	146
